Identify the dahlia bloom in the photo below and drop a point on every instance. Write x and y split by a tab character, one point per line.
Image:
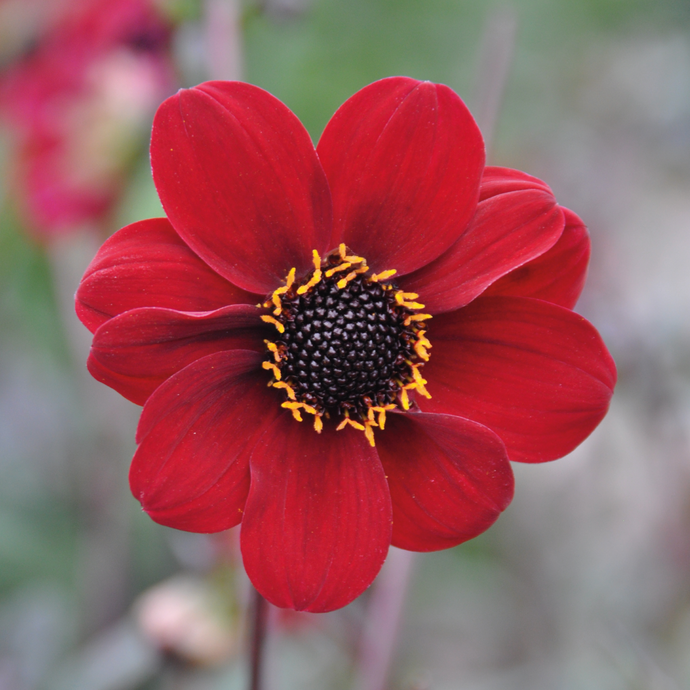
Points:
79	105
341	348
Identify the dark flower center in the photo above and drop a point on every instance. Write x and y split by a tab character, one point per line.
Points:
342	345
349	345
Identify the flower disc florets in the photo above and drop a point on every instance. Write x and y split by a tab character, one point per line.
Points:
350	343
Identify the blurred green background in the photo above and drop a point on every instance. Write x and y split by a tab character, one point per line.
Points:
584	582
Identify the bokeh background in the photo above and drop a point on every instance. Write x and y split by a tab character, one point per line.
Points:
584	582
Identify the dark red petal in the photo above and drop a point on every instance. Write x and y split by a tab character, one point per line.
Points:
508	229
535	373
138	350
317	523
146	264
449	479
238	177
556	276
196	432
404	160
496	180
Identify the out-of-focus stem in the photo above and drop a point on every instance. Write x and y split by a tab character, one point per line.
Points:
223	39
259	616
495	60
383	620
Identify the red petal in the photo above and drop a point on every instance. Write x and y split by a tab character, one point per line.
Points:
146	264
449	479
535	373
509	229
556	276
497	180
241	183
404	160
317	523
191	470
138	350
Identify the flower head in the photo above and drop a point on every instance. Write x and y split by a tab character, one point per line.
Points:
79	103
341	348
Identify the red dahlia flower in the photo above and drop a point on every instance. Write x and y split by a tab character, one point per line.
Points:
341	349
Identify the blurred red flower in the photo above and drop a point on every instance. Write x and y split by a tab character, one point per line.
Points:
79	103
414	312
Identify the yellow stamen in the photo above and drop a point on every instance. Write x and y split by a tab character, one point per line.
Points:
344	281
418	380
269	366
299	406
384	275
404	399
277	324
382	414
275	297
287	388
416	317
290	279
318	423
277	355
278	304
422	345
354	259
352	423
342	267
294	408
403	299
369	433
316	277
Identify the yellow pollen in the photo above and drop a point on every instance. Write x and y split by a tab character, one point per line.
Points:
401	296
418	380
422	345
337	269
275	297
316	277
369	433
318	423
290	279
287	388
354	259
352	423
276	323
344	281
382	414
269	366
274	349
294	407
404	399
403	299
416	317
384	275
